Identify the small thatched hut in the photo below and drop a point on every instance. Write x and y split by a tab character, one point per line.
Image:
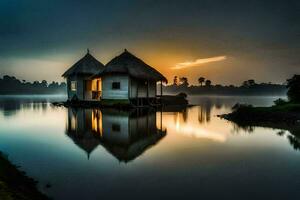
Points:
80	83
125	78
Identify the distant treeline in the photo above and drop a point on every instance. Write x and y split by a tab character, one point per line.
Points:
12	85
249	87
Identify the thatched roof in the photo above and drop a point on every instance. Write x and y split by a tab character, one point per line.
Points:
127	63
88	65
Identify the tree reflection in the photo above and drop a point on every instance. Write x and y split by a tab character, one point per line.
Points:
11	105
204	111
294	141
293	130
237	128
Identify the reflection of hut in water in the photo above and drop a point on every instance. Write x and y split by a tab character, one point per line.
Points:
126	135
81	128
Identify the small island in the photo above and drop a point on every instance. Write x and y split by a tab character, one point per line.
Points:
284	114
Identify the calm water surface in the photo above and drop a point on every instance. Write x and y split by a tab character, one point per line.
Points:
187	154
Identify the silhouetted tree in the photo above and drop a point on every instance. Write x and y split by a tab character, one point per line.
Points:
184	81
201	80
53	84
293	86
249	87
175	80
208	83
245	84
44	83
11	85
251	82
63	85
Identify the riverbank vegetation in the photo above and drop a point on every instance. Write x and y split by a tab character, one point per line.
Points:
12	85
284	114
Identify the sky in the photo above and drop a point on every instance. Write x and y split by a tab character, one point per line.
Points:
226	41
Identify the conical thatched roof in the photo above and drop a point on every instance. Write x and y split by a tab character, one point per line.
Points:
88	65
127	63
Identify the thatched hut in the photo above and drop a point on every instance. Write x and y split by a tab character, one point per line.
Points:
124	79
127	77
80	83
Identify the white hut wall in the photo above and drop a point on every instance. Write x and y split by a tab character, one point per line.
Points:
110	89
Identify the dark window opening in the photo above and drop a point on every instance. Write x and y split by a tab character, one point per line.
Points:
116	85
116	127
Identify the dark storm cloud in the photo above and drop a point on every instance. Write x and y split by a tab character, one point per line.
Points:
252	29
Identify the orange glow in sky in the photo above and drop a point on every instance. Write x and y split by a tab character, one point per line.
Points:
198	62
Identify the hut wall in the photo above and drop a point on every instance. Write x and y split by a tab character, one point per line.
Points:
138	89
132	88
79	88
152	89
107	87
88	90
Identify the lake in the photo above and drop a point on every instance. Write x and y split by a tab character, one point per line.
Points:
183	154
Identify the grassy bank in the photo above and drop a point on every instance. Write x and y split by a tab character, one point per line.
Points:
15	185
285	116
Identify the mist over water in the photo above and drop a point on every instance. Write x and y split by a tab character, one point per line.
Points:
190	153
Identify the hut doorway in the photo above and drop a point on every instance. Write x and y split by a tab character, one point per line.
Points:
96	89
93	89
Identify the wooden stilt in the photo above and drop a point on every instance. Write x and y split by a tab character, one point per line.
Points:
161	88
161	119
161	92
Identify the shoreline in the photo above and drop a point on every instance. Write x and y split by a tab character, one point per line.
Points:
286	117
160	101
14	184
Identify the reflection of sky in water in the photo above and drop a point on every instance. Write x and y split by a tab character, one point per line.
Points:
191	126
200	154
